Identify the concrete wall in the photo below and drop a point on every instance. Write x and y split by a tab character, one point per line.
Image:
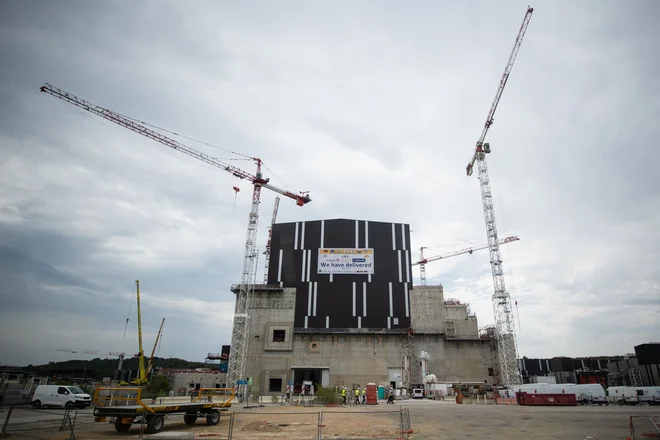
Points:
362	356
182	381
426	309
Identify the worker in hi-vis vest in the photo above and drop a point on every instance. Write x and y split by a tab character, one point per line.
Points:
364	395
357	396
343	395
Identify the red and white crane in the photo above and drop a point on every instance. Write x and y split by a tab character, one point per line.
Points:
270	237
240	332
508	370
423	261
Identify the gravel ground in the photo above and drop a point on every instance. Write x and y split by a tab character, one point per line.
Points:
430	420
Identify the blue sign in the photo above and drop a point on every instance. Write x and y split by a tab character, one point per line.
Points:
289	383
242	382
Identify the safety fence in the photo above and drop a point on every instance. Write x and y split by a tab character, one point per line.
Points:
28	423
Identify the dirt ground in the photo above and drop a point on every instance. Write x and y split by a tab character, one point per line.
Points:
430	421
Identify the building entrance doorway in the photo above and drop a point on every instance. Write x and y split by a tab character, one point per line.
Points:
318	376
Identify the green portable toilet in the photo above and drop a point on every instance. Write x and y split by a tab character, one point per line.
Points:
381	392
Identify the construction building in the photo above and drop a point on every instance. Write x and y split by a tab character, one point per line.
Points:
339	309
580	370
641	368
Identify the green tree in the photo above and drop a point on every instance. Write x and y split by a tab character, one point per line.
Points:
159	385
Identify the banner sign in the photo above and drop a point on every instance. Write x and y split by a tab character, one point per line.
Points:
346	261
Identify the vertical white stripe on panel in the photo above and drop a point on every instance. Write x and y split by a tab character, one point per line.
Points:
403	235
305	321
354	300
369	278
295	238
540	366
405	289
322	231
302	236
359	322
316	285
391	303
327	322
357	233
309	300
389	322
407	267
330	277
279	266
393	236
309	263
400	274
304	266
364	299
366	234
281	283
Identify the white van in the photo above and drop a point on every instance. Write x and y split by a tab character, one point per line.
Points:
563	388
60	395
649	395
591	393
622	395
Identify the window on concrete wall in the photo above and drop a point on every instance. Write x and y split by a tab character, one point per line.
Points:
490	372
275	385
279	335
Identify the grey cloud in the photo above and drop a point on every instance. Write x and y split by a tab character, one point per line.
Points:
407	85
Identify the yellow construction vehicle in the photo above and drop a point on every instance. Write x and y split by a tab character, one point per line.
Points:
142	375
150	365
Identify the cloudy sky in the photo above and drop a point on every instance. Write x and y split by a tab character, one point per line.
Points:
372	106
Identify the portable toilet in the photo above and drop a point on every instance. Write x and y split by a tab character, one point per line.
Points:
381	392
372	394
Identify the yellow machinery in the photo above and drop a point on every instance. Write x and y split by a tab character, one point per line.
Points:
150	365
125	404
142	375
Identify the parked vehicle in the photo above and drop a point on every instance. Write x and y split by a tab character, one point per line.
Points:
591	393
563	388
60	395
650	395
417	393
622	395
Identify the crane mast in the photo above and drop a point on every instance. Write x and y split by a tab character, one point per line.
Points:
240	331
505	330
270	237
142	376
423	261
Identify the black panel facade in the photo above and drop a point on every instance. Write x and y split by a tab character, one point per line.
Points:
648	354
379	300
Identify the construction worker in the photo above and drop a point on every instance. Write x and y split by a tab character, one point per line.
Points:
343	395
390	397
357	395
364	395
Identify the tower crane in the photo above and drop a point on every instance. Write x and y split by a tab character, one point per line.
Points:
504	324
270	237
241	329
423	261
